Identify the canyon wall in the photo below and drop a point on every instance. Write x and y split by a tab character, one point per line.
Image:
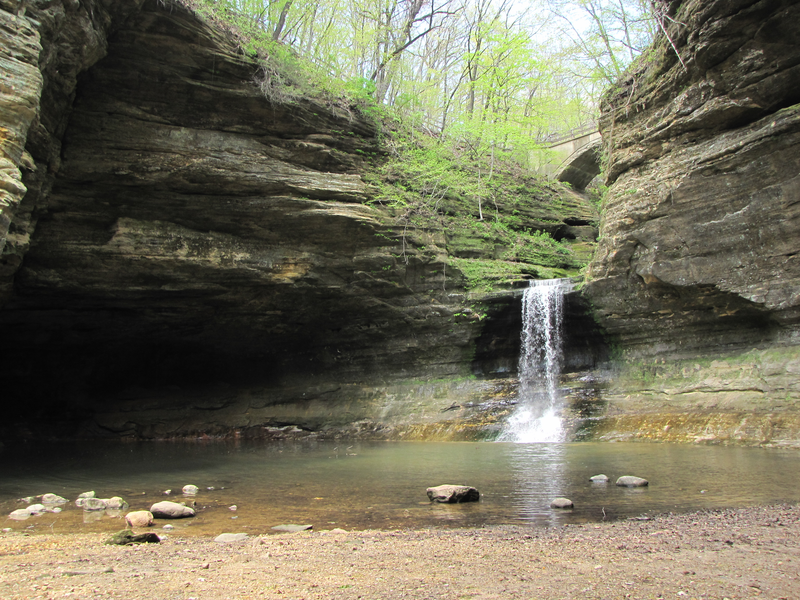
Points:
696	278
185	254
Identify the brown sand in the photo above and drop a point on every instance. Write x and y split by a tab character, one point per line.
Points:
734	554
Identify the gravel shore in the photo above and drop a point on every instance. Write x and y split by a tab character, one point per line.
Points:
734	554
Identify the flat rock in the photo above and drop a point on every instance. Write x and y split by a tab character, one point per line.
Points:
599	478
139	518
171	510
291	528
562	503
126	537
227	538
20	514
451	494
631	481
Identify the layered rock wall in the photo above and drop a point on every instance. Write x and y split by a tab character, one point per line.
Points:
698	252
192	257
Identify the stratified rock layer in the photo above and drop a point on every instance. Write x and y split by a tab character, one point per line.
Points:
192	257
699	240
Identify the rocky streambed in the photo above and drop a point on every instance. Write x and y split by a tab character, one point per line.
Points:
734	554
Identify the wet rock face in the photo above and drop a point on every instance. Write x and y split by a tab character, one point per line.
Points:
699	238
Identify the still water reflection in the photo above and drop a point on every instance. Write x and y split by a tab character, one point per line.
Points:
362	485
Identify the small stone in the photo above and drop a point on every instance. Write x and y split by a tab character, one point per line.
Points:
167	492
631	481
451	494
139	518
226	538
599	479
53	499
190	490
290	528
168	527
171	510
233	507
562	503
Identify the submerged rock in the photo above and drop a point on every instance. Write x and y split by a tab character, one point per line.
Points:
451	494
631	481
562	503
139	518
190	490
126	537
171	510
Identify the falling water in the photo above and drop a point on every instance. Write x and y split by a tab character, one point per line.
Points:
537	417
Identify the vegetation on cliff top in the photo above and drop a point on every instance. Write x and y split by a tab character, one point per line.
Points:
465	92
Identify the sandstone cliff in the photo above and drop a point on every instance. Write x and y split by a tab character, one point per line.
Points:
697	258
183	255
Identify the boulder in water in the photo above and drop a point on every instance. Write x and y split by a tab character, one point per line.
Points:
139	518
171	510
452	494
116	503
599	479
92	504
631	481
21	514
562	503
190	490
53	499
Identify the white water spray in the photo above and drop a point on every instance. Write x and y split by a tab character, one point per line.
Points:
537	417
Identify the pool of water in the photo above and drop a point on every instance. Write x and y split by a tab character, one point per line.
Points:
369	485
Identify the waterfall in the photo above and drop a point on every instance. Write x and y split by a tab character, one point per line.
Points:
537	416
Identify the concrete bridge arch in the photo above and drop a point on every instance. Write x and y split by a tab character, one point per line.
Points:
576	157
